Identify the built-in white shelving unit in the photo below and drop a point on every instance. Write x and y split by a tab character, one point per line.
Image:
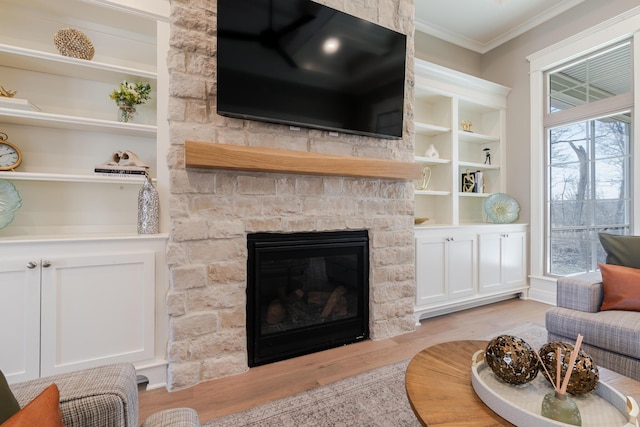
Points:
461	261
444	99
74	126
78	286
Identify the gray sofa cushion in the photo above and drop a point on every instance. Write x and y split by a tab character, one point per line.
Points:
614	330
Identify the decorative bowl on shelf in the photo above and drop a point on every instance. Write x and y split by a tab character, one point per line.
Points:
501	208
10	202
418	221
6	219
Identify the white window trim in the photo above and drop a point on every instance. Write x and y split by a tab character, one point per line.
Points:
619	28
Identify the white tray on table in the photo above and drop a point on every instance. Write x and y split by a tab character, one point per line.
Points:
521	404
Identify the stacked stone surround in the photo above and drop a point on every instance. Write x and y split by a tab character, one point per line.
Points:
212	211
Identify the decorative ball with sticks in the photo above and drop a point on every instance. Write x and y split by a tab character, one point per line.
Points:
556	358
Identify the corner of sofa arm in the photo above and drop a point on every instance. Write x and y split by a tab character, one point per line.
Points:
106	395
581	292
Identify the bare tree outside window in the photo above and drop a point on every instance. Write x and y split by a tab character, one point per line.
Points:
588	190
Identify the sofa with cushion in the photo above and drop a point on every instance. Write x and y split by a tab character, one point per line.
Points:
106	396
604	307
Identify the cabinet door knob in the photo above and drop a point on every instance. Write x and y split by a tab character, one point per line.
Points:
32	264
46	263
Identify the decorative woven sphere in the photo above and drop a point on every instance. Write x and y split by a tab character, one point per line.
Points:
511	359
73	43
584	377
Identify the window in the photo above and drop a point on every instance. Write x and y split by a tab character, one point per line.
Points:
600	76
576	59
588	140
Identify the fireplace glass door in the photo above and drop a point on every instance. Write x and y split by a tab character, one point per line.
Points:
305	292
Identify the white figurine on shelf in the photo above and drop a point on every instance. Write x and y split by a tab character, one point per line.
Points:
122	163
432	153
125	158
129	158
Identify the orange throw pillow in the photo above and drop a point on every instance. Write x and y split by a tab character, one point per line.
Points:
621	287
43	411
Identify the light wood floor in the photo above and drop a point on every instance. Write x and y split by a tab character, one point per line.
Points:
266	383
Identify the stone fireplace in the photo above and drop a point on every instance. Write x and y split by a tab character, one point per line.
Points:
212	211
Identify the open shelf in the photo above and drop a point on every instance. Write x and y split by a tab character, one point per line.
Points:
74	126
430	130
51	63
431	160
432	193
445	98
476	137
60	121
56	177
478	195
478	166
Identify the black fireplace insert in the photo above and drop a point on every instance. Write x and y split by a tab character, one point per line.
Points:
306	292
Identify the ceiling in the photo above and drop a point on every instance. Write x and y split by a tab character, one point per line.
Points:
482	25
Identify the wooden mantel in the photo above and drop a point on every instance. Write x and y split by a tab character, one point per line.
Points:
236	157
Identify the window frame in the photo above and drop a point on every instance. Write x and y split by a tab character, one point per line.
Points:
588	112
608	33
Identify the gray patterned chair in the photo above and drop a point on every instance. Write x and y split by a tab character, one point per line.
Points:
611	337
106	396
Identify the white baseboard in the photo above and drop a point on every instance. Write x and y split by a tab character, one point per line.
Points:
542	289
422	313
155	372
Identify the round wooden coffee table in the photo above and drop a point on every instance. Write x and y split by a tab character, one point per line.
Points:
438	383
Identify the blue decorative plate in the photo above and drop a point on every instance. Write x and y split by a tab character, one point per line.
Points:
10	202
501	208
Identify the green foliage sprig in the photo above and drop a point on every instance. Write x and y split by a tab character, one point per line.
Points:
131	94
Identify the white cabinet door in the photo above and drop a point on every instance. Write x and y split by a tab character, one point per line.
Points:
514	259
502	260
490	261
96	310
19	320
445	268
431	270
462	266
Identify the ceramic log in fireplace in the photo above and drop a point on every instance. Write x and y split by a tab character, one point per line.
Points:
306	292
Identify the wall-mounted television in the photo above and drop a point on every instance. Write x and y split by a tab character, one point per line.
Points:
300	63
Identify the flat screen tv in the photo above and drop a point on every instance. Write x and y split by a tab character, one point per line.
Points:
300	63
